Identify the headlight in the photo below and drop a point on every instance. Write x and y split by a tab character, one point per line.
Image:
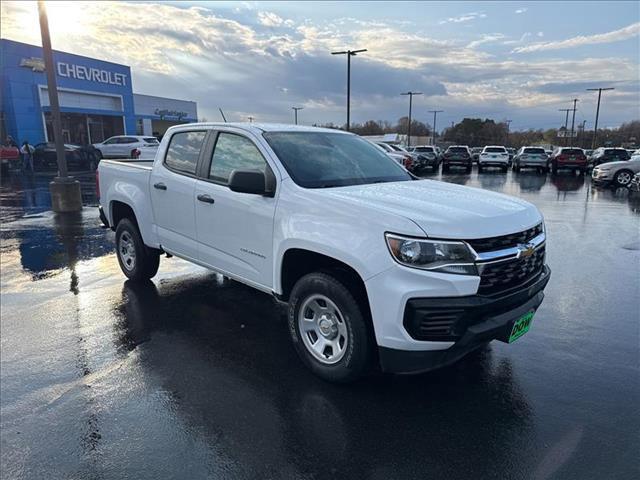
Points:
440	256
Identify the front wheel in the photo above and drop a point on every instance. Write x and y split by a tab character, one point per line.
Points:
328	328
137	261
623	178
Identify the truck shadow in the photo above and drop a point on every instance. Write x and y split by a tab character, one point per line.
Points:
221	351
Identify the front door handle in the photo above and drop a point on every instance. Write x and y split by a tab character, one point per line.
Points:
160	186
205	199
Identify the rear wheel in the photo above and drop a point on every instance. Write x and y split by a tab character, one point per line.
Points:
623	178
445	168
554	168
505	169
479	167
137	261
469	168
328	328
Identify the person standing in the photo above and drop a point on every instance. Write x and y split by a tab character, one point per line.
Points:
27	156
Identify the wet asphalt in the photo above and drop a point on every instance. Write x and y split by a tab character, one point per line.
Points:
192	376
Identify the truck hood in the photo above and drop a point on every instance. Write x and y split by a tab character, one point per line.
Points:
444	210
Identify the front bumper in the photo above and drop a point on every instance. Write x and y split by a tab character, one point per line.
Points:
601	175
480	320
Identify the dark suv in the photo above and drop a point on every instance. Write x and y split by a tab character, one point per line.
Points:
604	155
457	155
571	158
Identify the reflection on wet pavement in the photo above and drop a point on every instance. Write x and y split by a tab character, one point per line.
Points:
192	375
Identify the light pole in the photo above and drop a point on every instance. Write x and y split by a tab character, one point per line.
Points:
573	119
295	109
508	122
349	54
566	122
411	94
65	191
435	116
595	128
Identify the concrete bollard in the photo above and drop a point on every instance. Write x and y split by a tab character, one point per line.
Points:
65	195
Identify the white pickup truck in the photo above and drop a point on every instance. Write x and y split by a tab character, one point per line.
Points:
378	267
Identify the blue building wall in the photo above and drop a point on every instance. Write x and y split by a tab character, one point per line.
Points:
20	96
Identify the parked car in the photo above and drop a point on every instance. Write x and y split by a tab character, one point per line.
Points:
635	154
427	155
45	157
9	158
571	158
493	156
530	157
618	173
128	146
475	153
457	155
373	264
603	155
403	159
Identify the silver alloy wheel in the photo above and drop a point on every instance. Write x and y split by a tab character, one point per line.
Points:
323	329
127	251
623	178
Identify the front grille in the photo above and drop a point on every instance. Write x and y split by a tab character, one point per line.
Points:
500	276
505	241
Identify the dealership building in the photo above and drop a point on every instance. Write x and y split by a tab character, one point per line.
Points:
96	99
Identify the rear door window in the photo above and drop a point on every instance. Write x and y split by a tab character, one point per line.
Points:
184	151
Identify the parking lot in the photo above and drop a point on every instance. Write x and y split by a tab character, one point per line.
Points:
194	376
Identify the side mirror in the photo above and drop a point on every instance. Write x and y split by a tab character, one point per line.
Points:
248	181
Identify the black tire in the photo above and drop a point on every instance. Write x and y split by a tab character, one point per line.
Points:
505	169
618	178
516	168
146	260
435	168
554	168
480	168
445	168
356	359
98	154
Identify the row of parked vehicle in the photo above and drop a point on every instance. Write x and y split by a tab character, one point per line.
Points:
418	158
84	157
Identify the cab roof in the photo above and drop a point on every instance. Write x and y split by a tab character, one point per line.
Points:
265	127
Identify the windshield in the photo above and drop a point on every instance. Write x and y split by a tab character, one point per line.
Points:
457	149
539	151
572	151
153	140
616	152
424	149
324	159
495	150
396	148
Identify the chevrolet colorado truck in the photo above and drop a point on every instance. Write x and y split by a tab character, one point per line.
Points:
378	268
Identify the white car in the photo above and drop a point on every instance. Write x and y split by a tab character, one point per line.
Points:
619	173
374	264
530	157
493	156
404	159
142	147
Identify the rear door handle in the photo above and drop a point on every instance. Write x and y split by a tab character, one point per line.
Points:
205	199
160	186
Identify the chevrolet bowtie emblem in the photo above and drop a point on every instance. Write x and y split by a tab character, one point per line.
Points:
525	251
34	63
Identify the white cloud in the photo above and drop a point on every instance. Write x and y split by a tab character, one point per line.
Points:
487	38
625	33
521	10
467	17
269	19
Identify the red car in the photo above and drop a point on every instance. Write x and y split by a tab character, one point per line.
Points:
8	156
571	158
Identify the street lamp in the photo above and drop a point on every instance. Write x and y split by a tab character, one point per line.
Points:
295	109
349	54
566	122
433	134
411	94
573	119
595	128
65	191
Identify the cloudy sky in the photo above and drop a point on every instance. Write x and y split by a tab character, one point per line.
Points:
510	60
